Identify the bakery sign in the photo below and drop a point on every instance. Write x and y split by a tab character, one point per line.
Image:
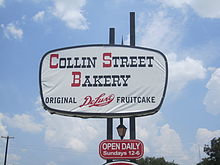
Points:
102	81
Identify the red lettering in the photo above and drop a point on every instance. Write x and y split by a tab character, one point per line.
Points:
76	79
53	66
88	101
99	101
107	60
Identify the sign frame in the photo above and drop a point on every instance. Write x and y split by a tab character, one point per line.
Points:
103	115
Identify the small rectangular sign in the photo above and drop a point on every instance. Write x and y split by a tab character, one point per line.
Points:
121	149
102	81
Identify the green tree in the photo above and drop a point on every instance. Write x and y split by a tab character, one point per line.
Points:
213	153
154	161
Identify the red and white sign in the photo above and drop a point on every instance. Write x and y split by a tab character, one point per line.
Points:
121	149
103	81
121	163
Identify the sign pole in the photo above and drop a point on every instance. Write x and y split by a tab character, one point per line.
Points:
132	29
111	36
132	128
132	44
110	120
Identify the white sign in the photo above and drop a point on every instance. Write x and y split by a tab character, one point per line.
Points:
103	81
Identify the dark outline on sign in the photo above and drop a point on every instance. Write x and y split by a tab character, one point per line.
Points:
103	115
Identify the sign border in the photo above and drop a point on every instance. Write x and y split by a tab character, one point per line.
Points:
103	115
125	140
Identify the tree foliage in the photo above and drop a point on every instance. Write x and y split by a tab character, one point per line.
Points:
213	153
154	161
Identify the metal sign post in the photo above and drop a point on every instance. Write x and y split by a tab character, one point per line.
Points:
110	120
132	44
131	119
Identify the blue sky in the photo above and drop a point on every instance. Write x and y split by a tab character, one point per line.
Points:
186	31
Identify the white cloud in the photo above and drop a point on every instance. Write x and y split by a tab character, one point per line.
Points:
163	33
169	144
71	12
149	127
3	130
204	136
39	16
12	31
66	132
212	101
161	140
202	7
175	3
159	31
2	3
183	71
206	9
11	158
73	133
24	122
51	163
